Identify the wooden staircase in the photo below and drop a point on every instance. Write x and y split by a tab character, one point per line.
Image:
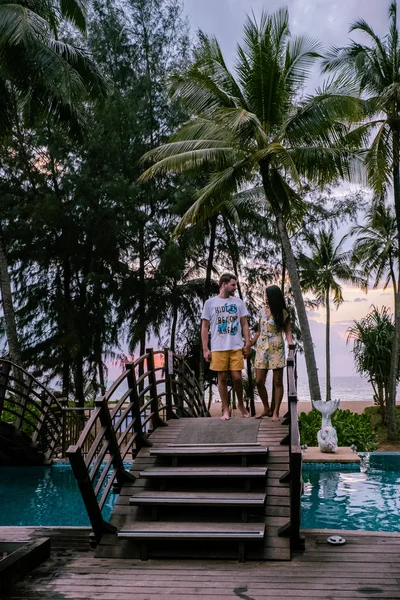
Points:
203	500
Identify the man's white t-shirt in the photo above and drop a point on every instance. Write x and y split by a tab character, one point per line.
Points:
224	315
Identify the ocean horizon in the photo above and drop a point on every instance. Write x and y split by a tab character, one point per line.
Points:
352	388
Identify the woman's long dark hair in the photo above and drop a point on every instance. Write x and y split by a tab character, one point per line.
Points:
277	304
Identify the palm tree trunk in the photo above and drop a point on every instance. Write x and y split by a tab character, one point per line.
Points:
231	242
391	409
291	266
328	346
210	261
173	328
14	347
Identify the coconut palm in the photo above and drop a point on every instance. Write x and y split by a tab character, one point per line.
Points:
39	73
375	249
372	340
376	67
251	128
321	273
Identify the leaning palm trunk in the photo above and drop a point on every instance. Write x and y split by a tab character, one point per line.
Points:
291	266
394	361
328	347
8	306
391	413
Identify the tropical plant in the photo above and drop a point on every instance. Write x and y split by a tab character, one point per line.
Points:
372	339
251	128
40	75
375	66
375	248
321	273
352	429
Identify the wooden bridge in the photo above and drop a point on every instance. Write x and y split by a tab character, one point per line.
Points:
193	489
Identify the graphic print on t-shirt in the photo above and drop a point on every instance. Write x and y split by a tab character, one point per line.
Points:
227	319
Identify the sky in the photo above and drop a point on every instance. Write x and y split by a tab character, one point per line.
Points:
329	22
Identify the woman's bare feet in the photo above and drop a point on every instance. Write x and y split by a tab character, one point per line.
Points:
243	411
275	417
264	413
225	417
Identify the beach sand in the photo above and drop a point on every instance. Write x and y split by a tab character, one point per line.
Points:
356	407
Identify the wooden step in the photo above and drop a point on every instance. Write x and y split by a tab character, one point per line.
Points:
205	472
206	450
192	531
198	499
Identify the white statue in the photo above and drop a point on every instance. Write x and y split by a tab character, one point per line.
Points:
327	436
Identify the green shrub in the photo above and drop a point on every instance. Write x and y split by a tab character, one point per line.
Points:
351	428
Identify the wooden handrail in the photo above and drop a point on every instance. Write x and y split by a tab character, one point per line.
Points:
32	409
294	475
98	466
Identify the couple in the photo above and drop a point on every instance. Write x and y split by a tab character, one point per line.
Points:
226	317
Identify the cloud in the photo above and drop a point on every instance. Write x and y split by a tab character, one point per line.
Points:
360	300
312	314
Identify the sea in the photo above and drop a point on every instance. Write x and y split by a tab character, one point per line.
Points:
351	388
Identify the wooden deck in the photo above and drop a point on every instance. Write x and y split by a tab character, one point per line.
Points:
273	512
367	566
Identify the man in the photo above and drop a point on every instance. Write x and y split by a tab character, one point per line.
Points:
226	317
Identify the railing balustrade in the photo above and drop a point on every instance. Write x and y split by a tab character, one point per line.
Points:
166	389
294	475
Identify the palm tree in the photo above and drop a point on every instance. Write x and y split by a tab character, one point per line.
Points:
375	249
320	273
252	129
40	76
376	68
39	73
372	341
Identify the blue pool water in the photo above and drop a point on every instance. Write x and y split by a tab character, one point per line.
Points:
43	496
365	497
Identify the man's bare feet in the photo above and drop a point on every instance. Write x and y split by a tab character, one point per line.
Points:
244	412
275	417
265	413
225	417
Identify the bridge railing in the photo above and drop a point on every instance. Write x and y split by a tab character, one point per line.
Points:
156	387
31	409
294	474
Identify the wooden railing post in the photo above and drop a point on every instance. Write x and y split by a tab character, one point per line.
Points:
79	469
169	372
156	419
121	474
140	440
294	475
180	387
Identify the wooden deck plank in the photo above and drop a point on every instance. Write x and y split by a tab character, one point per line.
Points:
358	573
275	511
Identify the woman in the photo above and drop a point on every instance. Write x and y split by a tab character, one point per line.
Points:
270	351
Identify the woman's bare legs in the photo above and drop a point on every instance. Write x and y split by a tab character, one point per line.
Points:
261	376
278	385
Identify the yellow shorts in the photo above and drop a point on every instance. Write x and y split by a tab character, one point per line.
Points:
227	360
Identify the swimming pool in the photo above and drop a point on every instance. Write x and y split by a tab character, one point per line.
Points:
364	497
44	496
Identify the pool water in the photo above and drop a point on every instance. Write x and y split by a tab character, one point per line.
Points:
44	496
365	497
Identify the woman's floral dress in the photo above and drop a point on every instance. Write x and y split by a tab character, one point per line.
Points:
270	349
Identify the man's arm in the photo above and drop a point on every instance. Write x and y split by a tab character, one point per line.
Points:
204	339
246	334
